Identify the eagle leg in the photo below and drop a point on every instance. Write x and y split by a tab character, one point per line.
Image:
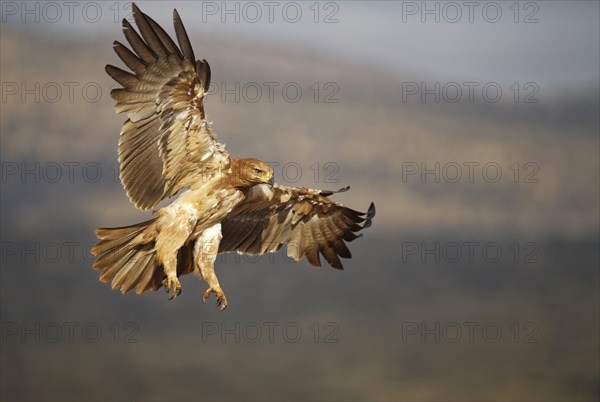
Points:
205	254
174	227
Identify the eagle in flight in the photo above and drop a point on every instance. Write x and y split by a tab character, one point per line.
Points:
231	204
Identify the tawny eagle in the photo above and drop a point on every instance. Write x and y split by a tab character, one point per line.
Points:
231	204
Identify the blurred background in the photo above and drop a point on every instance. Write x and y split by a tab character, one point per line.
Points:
473	127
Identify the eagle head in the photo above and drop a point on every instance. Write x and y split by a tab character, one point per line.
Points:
250	172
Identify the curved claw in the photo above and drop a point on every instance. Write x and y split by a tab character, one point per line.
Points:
221	299
172	287
222	303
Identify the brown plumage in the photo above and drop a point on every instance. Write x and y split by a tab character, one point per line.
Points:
231	204
304	219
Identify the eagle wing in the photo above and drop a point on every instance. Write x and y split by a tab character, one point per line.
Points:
166	143
305	219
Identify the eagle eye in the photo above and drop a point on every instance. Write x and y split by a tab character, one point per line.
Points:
259	171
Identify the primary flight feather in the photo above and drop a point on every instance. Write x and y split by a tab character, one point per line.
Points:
231	204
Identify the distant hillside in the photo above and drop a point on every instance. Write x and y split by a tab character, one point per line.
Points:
350	125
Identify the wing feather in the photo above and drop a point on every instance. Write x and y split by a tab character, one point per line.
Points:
310	248
165	39
137	43
128	57
182	37
148	33
123	77
166	138
304	219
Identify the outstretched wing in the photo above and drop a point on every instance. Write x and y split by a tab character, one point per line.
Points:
306	220
165	144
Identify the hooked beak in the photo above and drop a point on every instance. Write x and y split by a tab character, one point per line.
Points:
271	181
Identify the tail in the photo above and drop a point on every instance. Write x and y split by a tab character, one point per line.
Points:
130	264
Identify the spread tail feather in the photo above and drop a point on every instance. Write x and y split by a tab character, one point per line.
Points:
126	256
